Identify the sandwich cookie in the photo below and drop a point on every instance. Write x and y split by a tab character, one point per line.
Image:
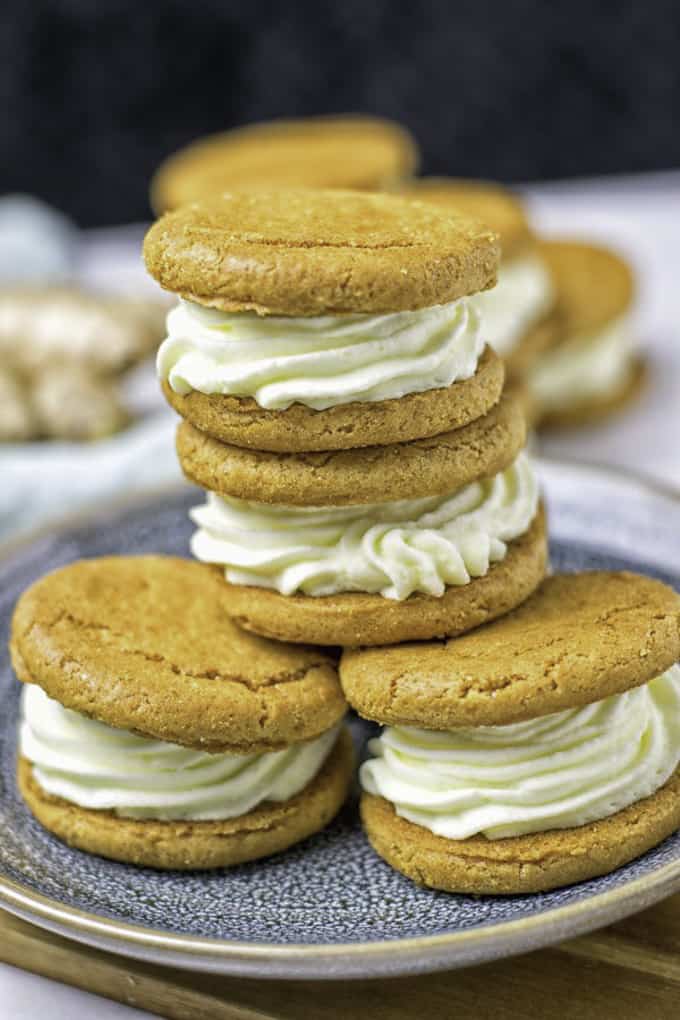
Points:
540	750
366	153
378	492
156	732
381	572
312	320
519	313
592	370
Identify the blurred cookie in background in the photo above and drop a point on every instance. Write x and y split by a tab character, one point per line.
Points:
65	354
350	151
593	369
519	312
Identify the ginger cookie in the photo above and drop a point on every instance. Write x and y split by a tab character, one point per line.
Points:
303	252
539	750
146	644
578	639
320	320
351	151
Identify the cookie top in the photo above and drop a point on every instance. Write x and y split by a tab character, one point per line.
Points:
145	643
594	285
317	152
423	467
491	203
580	638
311	252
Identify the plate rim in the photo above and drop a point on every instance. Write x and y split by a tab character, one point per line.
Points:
379	958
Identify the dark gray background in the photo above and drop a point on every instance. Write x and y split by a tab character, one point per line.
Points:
94	93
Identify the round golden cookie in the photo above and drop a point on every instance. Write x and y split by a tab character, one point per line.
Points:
145	643
267	829
312	252
594	285
580	638
487	201
300	429
373	474
521	864
350	151
592	410
358	619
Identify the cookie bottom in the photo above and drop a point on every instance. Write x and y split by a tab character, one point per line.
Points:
521	864
184	845
353	619
591	410
300	429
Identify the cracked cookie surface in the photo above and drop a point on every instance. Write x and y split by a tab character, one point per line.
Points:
315	252
578	639
146	644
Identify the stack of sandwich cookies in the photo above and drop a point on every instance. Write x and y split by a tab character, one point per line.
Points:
537	751
592	369
519	313
366	153
365	478
156	732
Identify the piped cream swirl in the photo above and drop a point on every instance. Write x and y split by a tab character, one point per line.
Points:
96	766
523	295
319	361
554	772
395	548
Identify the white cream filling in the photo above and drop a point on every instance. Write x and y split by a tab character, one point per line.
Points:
558	771
319	361
395	549
96	766
522	297
593	365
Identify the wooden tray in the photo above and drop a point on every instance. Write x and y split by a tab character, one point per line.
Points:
630	970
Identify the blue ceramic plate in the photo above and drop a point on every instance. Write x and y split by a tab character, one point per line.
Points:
329	907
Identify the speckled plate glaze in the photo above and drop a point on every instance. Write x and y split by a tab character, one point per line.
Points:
329	907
